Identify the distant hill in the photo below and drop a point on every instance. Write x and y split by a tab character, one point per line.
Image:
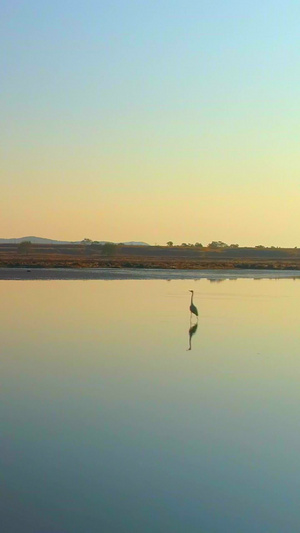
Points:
133	243
40	240
34	240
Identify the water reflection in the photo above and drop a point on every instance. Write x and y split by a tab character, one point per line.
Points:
192	332
129	436
142	274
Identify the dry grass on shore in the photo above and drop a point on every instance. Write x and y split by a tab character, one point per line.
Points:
28	261
79	256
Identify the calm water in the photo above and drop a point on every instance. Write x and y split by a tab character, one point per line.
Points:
110	424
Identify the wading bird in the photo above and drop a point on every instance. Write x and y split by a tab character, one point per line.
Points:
193	308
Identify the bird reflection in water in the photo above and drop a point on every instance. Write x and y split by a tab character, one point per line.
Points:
193	327
192	332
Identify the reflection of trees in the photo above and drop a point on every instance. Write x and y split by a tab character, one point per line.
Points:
216	280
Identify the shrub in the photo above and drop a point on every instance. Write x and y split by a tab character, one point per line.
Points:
24	247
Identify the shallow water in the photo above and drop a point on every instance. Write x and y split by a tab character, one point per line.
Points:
110	423
141	273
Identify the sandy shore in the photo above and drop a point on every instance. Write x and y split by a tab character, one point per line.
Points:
140	274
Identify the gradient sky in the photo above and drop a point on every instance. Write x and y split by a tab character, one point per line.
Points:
154	121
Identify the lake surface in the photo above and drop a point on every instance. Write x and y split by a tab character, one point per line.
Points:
110	424
141	273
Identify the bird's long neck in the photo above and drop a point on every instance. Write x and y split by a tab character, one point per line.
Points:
192	295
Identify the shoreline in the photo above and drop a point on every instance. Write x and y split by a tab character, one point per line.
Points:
85	274
151	264
76	256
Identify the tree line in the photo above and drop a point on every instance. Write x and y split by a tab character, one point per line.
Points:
111	248
213	244
106	249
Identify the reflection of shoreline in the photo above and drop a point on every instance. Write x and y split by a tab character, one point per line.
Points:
143	274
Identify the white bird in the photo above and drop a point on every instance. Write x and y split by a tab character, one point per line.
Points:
193	308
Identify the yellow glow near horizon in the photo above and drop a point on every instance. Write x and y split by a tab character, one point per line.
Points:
191	136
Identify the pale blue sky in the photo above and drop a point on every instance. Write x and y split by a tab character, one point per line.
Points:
151	120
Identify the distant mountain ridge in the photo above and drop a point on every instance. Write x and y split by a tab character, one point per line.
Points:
41	240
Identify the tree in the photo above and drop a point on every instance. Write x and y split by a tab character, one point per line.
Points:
170	243
24	247
94	247
198	245
109	248
218	244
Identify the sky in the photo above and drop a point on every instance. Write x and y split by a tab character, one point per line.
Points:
150	121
